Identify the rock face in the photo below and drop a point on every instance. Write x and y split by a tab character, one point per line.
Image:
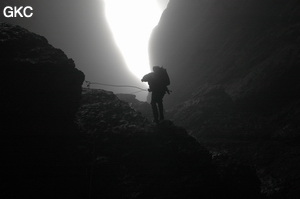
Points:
40	86
234	68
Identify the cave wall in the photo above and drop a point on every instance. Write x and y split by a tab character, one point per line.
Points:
249	48
234	69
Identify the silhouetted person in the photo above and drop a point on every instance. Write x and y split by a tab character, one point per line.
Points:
158	81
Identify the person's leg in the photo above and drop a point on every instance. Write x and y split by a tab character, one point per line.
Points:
154	107
161	111
160	105
155	112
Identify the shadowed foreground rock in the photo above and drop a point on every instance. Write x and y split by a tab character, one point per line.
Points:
40	85
133	158
40	94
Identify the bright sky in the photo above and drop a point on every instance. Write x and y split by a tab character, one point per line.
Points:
131	22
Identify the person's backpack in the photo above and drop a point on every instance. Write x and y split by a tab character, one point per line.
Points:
164	77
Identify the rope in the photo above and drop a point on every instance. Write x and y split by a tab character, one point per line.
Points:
113	85
136	92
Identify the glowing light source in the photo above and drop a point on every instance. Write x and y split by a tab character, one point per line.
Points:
131	22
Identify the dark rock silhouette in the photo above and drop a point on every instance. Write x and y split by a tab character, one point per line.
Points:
40	85
235	72
40	95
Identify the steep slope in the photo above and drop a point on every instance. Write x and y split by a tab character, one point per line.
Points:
234	70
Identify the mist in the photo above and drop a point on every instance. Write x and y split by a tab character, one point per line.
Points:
80	29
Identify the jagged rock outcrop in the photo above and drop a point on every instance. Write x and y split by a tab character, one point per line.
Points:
39	83
234	70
